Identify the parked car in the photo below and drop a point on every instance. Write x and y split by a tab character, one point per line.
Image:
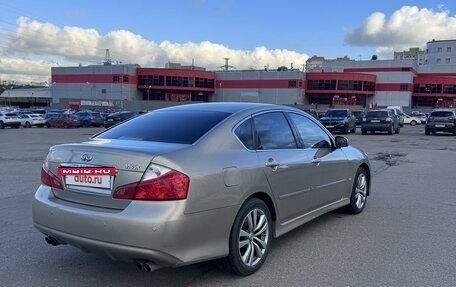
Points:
32	120
422	117
441	120
341	120
202	181
118	117
380	120
411	120
63	121
359	116
89	118
8	119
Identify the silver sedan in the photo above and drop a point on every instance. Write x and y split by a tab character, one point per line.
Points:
198	182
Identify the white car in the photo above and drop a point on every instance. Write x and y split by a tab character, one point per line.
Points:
411	120
29	120
9	120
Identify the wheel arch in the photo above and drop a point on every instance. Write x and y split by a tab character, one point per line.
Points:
267	200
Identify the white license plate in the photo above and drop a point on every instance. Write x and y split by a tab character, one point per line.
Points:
329	127
439	126
98	181
110	120
375	121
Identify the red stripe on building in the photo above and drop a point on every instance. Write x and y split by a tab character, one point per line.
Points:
258	84
341	76
175	73
95	79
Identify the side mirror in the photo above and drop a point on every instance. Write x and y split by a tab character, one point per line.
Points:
341	141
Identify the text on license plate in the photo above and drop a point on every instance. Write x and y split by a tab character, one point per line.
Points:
100	181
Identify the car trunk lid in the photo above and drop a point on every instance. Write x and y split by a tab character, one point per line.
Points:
128	158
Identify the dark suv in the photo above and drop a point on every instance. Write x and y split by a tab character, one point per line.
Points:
341	120
380	120
441	120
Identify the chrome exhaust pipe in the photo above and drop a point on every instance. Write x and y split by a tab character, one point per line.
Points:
147	266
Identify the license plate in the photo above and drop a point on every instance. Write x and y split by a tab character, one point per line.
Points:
329	127
439	126
110	120
375	121
98	177
98	181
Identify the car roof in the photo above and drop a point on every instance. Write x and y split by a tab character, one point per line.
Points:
225	107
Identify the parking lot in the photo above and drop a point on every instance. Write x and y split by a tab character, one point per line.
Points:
405	236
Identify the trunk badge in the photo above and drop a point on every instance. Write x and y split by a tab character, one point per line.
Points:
86	157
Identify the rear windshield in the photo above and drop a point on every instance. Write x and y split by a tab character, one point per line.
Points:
182	127
377	114
443	114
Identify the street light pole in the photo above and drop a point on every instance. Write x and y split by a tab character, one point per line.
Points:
148	88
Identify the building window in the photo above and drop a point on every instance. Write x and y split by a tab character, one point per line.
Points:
447	60
438	60
115	79
448	49
292	84
125	79
103	91
403	87
439	49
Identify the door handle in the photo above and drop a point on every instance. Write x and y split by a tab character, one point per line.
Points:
272	164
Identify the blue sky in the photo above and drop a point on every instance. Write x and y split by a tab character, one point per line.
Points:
167	30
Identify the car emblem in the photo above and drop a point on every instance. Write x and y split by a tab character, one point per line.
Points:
86	157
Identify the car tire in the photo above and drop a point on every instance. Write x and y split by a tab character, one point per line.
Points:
353	130
65	125
85	124
427	131
413	123
396	131
48	125
2	126
363	131
360	190
390	130
250	238
28	125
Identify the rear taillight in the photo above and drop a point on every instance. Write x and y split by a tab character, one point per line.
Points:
50	179
451	118
158	183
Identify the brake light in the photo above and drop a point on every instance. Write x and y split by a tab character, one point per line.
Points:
158	183
50	179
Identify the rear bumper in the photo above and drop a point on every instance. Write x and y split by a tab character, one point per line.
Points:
376	126
157	232
441	127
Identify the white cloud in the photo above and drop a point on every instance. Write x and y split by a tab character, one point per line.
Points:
407	27
23	70
87	46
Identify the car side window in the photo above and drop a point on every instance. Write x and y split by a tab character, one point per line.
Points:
311	135
273	131
245	134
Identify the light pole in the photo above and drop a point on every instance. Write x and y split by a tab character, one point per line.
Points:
148	88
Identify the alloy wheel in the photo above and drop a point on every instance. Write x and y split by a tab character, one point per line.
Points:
253	237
